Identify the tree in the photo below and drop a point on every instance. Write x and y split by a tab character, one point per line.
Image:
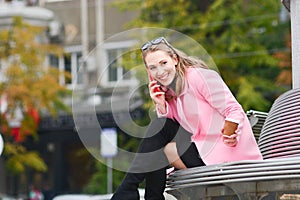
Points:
240	35
27	88
285	64
244	38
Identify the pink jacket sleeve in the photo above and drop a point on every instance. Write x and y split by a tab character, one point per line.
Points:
212	88
168	114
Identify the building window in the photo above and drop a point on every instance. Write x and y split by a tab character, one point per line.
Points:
116	71
115	55
68	67
68	63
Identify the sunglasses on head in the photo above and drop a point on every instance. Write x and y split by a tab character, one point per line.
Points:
154	42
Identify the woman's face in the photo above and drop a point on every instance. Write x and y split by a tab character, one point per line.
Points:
161	66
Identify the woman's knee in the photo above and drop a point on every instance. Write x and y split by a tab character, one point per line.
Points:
171	153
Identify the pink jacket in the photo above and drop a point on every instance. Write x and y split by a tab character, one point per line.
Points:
205	103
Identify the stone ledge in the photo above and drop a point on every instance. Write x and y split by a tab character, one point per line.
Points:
271	189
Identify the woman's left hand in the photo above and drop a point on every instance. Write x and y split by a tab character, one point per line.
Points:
228	133
230	140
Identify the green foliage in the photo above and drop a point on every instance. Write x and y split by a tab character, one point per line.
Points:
157	13
28	86
242	38
250	96
18	158
240	35
98	182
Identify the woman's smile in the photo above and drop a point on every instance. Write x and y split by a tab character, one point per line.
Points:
163	77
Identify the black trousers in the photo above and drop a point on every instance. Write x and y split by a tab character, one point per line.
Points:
150	161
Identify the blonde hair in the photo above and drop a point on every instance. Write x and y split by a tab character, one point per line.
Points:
184	61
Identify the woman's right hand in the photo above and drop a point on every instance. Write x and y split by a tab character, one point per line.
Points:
157	95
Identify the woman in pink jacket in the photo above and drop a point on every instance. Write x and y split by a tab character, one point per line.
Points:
199	121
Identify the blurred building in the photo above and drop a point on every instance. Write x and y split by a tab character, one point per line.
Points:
77	25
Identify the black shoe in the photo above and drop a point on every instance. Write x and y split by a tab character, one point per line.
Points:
128	190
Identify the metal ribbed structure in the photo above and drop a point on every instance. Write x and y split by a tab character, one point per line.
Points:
280	135
257	120
240	171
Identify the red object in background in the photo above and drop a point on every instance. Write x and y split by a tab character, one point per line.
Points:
32	112
16	133
14	123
